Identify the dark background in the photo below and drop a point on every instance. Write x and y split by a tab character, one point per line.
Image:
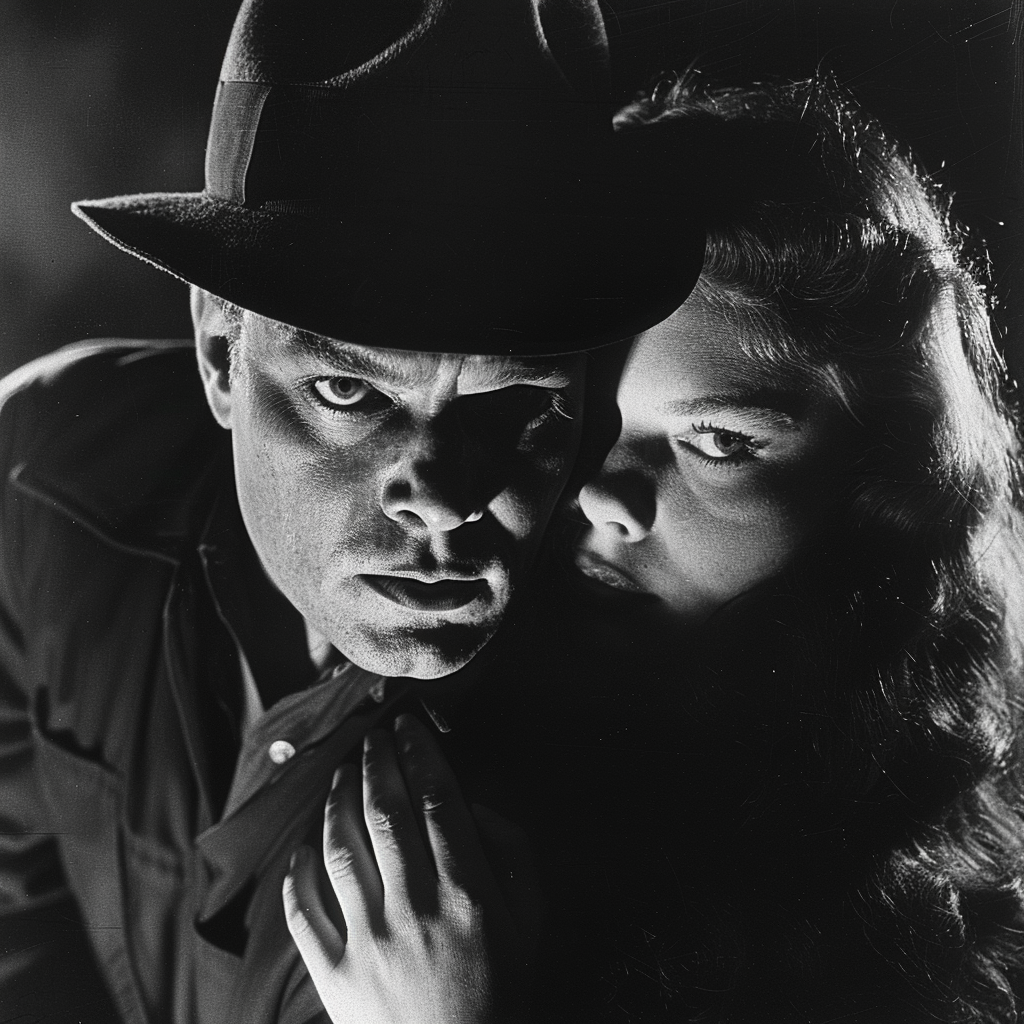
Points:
99	97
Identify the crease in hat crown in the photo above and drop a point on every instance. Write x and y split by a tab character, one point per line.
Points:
257	53
420	174
442	64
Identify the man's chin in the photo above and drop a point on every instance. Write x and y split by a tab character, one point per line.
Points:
420	654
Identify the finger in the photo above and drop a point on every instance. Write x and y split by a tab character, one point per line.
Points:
348	855
319	943
512	861
405	867
447	821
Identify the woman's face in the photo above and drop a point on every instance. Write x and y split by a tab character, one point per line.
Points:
722	468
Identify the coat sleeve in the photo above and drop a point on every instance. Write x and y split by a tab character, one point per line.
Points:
47	969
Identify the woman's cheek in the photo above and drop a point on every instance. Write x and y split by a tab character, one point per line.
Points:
725	546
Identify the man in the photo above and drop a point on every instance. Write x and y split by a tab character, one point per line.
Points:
415	217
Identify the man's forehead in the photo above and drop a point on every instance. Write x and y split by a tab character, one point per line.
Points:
419	369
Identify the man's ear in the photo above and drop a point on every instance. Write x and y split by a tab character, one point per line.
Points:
213	345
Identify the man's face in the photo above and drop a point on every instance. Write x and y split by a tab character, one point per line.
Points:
396	498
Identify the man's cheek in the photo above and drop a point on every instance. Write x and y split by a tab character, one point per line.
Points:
551	442
544	477
524	508
550	450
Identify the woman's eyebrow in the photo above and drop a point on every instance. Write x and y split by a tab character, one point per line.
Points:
782	409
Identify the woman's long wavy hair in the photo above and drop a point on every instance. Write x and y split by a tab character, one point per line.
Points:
892	722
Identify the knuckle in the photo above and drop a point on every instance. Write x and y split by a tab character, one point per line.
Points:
461	907
435	794
339	862
418	929
433	800
382	819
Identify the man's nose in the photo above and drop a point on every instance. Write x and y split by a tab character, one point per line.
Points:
620	499
431	486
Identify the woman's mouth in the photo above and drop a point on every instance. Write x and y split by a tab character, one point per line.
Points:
609	576
444	595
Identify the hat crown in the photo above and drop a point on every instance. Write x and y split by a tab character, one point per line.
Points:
408	105
438	175
550	45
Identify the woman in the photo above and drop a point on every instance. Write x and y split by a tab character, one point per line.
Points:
773	772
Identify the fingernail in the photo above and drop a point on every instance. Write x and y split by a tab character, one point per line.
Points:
339	774
298	858
407	723
374	737
408	733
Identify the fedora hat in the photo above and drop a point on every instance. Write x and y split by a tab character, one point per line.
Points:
432	175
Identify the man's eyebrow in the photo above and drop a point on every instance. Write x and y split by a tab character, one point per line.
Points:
380	364
782	409
351	360
539	373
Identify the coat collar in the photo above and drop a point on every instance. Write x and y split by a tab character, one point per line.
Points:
117	435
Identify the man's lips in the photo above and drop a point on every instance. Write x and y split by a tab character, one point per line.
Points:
608	575
443	595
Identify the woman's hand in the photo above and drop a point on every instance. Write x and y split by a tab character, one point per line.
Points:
414	926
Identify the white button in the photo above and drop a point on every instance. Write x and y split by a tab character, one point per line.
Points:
281	751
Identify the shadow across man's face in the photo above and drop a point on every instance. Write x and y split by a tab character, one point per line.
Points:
396	498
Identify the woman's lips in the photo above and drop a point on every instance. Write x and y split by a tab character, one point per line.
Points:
608	575
441	596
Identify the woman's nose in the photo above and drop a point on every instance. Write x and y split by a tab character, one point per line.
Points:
621	500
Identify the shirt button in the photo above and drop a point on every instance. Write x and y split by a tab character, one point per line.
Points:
281	751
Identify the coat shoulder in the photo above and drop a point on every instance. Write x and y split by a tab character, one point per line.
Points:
113	432
94	378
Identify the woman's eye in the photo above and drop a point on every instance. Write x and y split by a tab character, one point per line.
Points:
720	445
346	392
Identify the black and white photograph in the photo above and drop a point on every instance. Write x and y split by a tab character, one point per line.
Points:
512	512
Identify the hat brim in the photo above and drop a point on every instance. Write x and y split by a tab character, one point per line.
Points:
518	282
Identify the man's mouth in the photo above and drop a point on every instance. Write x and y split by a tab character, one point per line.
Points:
608	576
443	595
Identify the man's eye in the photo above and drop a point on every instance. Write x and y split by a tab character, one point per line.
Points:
511	408
348	392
